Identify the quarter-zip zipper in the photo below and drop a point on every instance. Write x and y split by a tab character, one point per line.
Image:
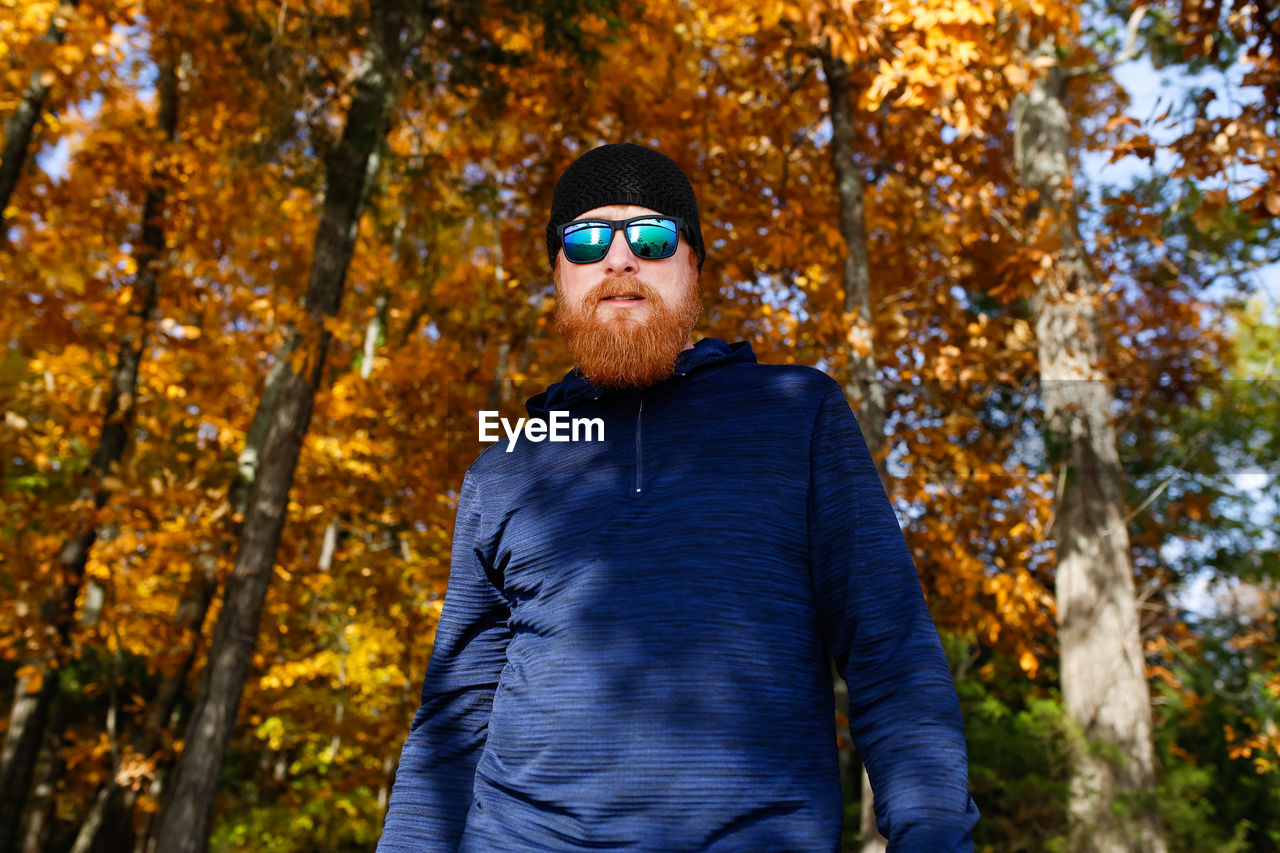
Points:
639	455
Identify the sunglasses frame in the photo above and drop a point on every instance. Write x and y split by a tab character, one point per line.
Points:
620	225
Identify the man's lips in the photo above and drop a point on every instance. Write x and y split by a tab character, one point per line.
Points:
623	298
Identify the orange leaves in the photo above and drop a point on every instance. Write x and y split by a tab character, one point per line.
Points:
937	57
927	16
858	336
1140	146
451	240
1118	121
1029	663
1265	199
771	12
30	678
1262	745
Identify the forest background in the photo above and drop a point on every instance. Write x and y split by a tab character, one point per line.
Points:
288	250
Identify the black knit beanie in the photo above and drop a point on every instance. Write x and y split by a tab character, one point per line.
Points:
624	174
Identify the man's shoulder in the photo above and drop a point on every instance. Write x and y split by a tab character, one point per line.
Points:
788	379
494	462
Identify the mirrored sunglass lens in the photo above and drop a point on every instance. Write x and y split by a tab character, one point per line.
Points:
587	242
652	240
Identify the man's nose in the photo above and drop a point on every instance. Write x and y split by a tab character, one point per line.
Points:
620	260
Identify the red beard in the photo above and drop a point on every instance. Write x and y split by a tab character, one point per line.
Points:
617	351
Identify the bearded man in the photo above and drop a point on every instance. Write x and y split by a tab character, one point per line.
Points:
632	653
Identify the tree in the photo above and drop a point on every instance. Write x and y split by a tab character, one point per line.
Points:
38	683
21	126
185	821
1103	668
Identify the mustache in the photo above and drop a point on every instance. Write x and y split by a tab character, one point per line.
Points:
609	285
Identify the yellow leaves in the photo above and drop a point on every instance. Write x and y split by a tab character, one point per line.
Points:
1029	663
859	341
925	17
30	678
999	586
286	675
113	483
375	453
174	329
518	42
297	204
1017	76
71	56
964	52
1019	335
271	730
939	57
771	13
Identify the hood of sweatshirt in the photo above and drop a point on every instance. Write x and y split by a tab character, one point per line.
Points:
575	388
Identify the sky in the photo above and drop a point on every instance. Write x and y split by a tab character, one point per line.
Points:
1151	91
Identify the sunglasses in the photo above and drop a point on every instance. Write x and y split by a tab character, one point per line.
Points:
651	237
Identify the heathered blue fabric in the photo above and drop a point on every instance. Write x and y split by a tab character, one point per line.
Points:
631	654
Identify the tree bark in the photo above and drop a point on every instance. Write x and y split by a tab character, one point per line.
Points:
1104	683
40	822
35	693
862	385
110	822
185	822
22	124
109	825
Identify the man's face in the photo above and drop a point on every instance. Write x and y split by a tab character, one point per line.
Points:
626	319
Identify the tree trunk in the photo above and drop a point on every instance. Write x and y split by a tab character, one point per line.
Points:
48	772
377	327
250	457
186	820
862	386
109	824
1104	683
35	693
22	124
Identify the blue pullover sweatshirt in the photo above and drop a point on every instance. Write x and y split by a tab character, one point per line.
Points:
632	649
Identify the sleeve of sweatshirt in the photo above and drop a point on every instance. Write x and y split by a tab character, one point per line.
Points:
904	714
436	776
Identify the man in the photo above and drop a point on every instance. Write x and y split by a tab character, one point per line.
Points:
632	650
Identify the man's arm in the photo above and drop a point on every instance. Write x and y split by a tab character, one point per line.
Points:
904	715
436	777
